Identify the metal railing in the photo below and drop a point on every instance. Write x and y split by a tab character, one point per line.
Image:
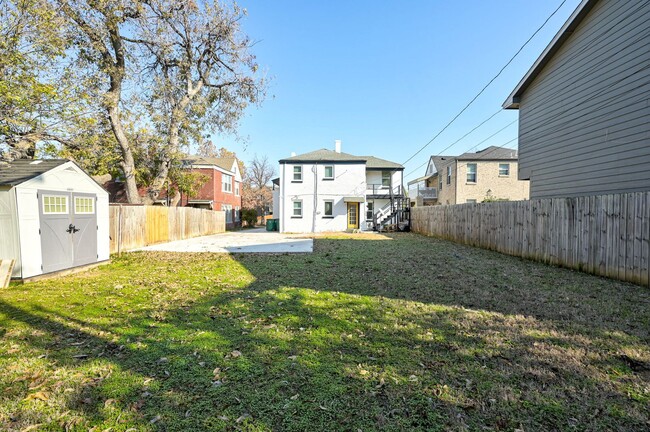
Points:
379	189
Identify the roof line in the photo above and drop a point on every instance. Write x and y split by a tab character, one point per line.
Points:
512	102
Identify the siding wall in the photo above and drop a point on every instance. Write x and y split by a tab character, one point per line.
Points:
583	122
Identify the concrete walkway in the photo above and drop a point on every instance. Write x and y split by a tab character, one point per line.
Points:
256	240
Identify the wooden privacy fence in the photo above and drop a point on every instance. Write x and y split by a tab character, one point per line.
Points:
132	227
607	235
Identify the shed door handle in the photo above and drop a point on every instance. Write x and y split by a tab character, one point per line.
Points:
71	229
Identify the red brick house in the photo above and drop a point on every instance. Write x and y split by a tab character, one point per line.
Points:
222	190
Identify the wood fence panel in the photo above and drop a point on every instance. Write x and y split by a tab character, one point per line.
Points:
133	227
608	235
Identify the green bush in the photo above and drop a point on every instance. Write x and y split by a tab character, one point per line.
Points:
249	216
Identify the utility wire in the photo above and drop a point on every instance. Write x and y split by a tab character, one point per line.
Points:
487	85
548	97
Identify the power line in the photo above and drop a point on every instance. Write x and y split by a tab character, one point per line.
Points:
476	145
549	96
487	85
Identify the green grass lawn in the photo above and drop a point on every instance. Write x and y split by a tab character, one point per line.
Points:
369	332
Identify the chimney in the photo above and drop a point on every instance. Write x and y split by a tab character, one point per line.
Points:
337	146
293	154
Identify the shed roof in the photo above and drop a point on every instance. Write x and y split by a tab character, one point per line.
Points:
19	171
583	9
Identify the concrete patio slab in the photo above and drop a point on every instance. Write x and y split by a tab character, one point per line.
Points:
256	240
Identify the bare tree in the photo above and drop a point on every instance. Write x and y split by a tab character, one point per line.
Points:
260	172
203	74
257	193
100	42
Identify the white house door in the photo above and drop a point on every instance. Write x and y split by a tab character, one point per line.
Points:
68	229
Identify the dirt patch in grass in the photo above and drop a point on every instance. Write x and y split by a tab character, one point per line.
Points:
377	332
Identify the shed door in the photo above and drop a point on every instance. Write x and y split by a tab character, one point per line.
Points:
68	229
84	219
56	241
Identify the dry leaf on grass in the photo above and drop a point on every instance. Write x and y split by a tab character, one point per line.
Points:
38	395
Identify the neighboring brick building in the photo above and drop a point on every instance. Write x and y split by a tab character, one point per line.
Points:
489	174
222	190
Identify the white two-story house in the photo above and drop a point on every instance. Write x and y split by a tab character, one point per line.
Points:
327	190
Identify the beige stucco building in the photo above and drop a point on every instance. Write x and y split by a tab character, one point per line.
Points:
487	175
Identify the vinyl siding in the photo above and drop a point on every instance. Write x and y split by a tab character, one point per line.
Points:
584	123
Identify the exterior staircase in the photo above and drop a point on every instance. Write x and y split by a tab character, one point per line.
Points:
394	216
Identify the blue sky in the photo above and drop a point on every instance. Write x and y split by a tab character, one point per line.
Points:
385	76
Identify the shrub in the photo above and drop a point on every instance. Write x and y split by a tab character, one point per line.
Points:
249	216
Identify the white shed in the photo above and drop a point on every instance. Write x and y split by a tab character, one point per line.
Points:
53	216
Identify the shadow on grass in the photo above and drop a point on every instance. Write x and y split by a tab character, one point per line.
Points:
406	334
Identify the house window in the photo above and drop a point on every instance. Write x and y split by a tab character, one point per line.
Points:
449	175
471	173
440	184
504	170
297	209
226	183
329	208
237	188
237	214
55	205
385	178
471	201
297	173
370	210
329	172
228	209
84	205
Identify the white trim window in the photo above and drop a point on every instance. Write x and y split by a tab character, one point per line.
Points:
297	209
329	172
328	208
472	177
504	170
226	183
385	178
55	204
237	188
370	207
228	209
297	173
237	214
84	205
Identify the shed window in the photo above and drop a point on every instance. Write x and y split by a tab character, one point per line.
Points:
55	204
471	173
504	169
84	205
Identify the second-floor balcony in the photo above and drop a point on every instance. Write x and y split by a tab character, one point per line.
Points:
427	193
382	190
